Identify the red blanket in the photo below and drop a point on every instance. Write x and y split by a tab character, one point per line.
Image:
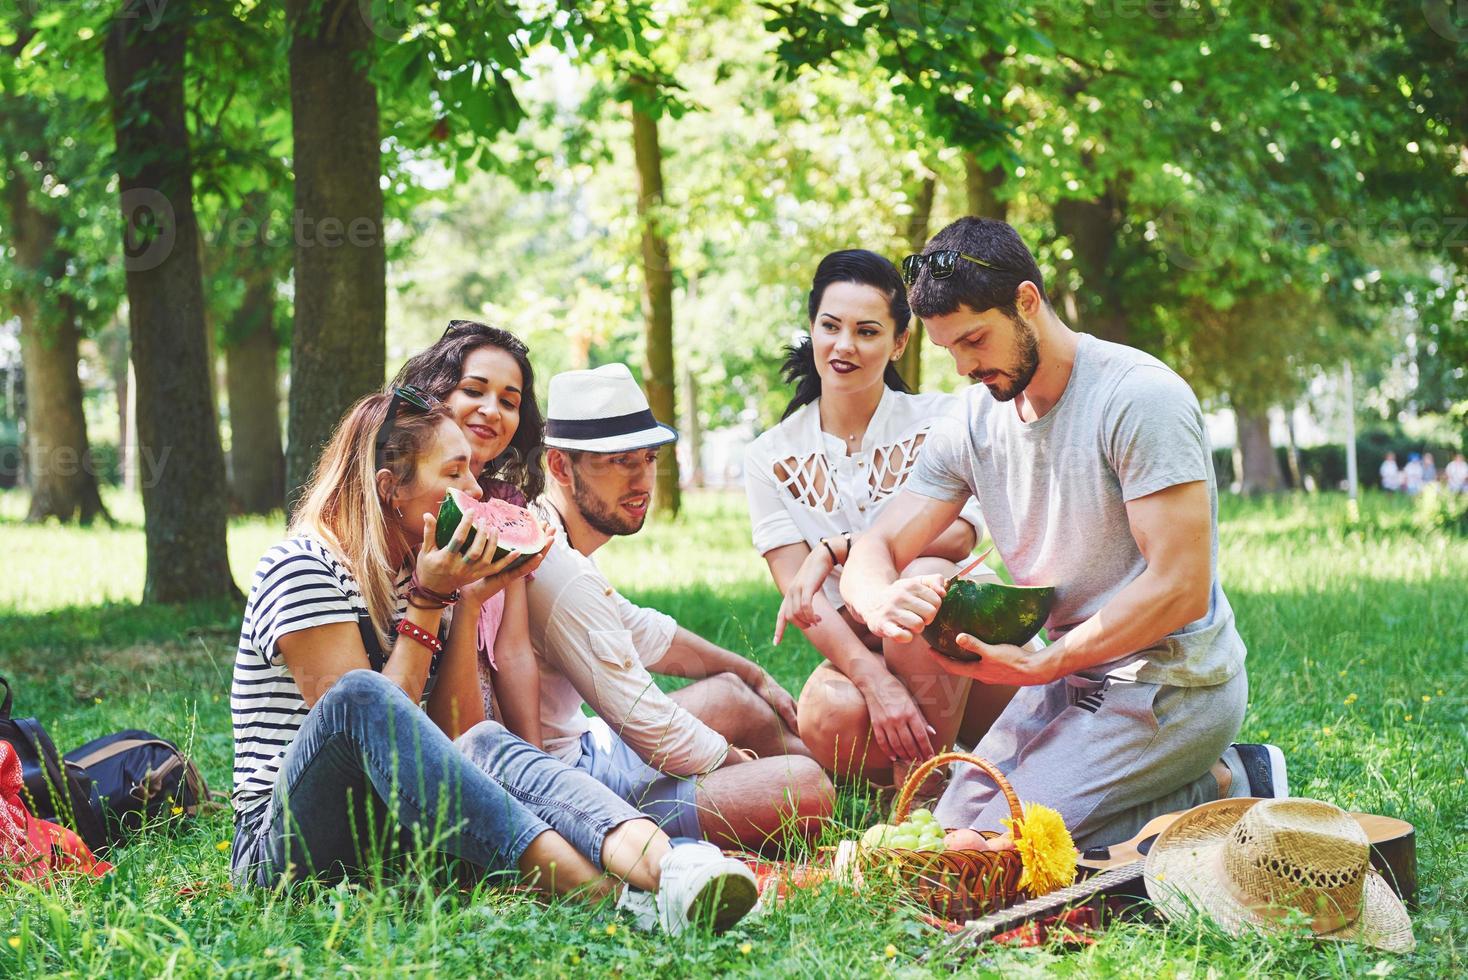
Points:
32	849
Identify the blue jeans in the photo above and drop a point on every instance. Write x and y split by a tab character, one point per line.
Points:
369	773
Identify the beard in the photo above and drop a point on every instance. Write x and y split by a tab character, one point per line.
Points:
1022	373
604	518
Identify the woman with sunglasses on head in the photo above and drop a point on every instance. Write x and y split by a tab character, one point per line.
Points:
845	445
357	714
482	375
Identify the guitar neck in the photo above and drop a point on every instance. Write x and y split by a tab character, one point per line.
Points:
982	929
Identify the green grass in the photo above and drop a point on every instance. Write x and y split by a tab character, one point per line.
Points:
1357	657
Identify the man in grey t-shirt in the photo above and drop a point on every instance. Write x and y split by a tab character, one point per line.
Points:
1091	464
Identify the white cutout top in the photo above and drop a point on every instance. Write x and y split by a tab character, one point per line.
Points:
803	486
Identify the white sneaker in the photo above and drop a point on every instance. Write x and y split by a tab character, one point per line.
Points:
699	886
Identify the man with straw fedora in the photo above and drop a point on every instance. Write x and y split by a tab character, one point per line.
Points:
718	759
1265	864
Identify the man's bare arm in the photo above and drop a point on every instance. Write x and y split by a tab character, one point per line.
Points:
1173	530
893	608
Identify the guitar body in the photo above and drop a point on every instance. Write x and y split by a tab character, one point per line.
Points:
1393	851
1110	878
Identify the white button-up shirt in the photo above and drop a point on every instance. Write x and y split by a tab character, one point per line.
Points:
594	645
803	485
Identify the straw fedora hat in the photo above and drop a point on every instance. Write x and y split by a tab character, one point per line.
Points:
1249	862
602	410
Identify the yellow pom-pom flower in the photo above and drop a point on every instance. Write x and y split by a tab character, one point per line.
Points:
1046	850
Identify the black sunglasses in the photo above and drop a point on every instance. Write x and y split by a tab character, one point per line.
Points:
940	264
513	344
404	393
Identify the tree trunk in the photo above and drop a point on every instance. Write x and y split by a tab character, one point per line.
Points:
695	430
339	345
982	185
659	377
1255	462
1292	456
178	443
910	365
1092	227
62	478
252	382
113	344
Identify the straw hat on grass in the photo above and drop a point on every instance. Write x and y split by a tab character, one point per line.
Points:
1252	863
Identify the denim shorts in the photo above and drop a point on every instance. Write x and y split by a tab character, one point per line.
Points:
670	801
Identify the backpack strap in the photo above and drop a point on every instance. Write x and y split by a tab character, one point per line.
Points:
371	643
66	782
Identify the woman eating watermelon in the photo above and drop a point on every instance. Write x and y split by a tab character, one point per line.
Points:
483	376
846	443
358	722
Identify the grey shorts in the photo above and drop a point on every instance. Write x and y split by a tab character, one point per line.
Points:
670	801
1108	755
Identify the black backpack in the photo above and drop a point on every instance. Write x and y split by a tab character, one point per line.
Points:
112	785
141	778
55	789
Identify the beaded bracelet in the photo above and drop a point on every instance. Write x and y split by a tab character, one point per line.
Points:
415	632
418	588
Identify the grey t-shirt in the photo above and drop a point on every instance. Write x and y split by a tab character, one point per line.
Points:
1054	494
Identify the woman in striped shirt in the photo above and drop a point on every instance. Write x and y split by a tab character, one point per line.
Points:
357	714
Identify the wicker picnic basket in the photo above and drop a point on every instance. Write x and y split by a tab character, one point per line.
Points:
954	884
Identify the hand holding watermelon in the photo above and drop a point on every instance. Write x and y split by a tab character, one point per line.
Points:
518	541
509	567
469	555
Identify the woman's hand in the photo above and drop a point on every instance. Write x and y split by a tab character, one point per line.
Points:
445	569
478	593
797	605
898	726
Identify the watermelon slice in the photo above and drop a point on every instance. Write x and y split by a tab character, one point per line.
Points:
991	611
519	531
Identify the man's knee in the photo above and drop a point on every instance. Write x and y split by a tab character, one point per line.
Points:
734	693
811	790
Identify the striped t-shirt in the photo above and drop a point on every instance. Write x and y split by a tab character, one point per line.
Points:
299	584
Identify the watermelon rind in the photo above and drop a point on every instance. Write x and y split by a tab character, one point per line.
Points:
990	611
451	512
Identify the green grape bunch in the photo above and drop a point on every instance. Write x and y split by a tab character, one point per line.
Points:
919	832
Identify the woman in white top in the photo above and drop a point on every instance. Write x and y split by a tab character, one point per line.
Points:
846	444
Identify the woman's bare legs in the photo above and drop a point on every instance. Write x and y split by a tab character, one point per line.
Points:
835	723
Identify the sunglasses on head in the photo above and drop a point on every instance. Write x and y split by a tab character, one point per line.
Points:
457	327
940	264
403	394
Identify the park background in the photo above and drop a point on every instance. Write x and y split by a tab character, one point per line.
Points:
221	223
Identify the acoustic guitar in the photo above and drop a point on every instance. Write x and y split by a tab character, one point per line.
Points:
1112	881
